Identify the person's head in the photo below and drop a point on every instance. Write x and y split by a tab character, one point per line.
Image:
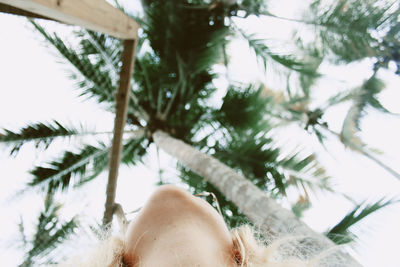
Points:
175	229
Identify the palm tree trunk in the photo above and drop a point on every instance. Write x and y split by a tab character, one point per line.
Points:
268	216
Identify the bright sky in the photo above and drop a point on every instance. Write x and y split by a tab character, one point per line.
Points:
36	88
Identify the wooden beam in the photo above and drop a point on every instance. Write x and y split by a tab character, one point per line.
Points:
122	100
17	11
96	15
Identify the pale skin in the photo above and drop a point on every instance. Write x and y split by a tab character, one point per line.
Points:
175	229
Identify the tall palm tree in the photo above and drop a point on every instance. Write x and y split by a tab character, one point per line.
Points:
173	93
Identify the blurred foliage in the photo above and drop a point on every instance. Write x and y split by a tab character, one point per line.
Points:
341	233
349	28
41	134
50	231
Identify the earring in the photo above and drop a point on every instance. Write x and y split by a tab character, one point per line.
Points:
215	200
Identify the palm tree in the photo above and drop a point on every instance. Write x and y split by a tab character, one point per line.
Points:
173	91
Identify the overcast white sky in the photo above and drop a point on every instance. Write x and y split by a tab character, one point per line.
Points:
34	87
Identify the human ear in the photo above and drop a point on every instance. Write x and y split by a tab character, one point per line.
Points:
129	261
237	256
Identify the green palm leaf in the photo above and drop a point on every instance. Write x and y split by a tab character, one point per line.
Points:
40	133
253	7
389	48
347	28
243	108
341	233
248	147
50	231
174	72
339	98
363	97
82	166
96	66
258	158
305	172
265	54
133	150
107	49
97	82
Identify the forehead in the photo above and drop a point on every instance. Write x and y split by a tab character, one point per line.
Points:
176	227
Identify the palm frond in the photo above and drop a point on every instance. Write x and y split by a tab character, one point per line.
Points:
212	53
305	172
247	147
314	60
257	157
96	62
42	134
243	107
21	230
186	31
265	54
320	136
348	28
107	50
96	81
252	156
341	233
50	231
82	166
133	150
389	48
174	72
253	7
363	97
339	98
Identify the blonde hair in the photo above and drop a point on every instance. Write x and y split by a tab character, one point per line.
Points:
248	251
109	253
252	252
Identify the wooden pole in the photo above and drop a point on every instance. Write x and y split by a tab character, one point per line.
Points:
20	12
122	101
95	15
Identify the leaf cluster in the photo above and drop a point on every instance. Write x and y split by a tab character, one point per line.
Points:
42	134
83	165
363	97
50	231
93	78
341	233
350	28
244	141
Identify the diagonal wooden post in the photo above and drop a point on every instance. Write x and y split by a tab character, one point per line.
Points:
96	15
20	12
122	101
